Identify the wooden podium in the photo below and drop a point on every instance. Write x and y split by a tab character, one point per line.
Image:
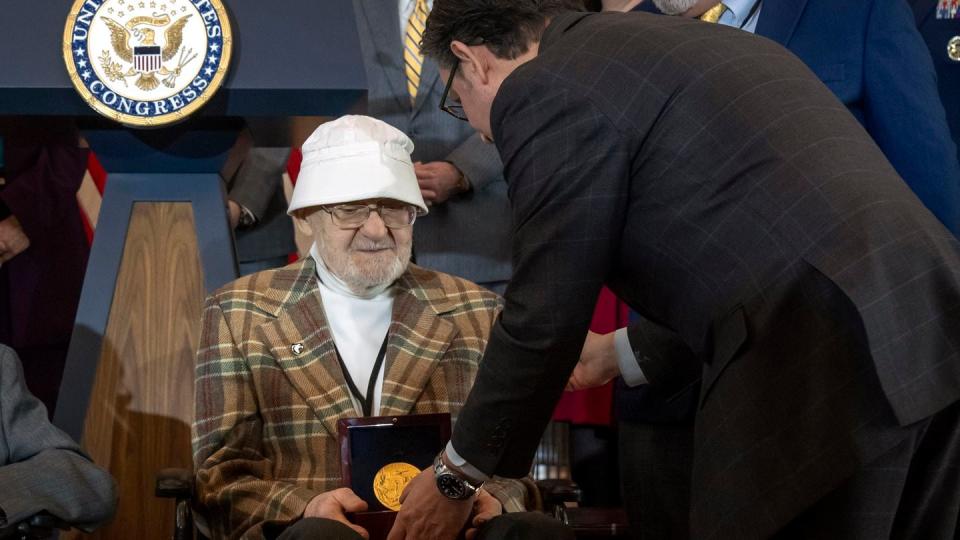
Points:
163	241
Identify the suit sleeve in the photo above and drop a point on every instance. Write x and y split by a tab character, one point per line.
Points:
666	361
258	178
567	169
903	111
236	493
46	470
478	161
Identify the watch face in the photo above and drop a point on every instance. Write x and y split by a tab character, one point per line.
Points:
451	486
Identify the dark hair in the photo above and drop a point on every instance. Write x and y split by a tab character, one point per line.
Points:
507	27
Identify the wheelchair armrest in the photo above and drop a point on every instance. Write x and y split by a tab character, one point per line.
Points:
174	484
44	520
38	526
559	492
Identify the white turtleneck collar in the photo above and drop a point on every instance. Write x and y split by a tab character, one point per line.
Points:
330	280
358	323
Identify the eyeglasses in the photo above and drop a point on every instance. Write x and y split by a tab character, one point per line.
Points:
353	216
454	108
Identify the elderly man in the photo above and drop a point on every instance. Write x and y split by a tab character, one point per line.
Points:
353	330
41	469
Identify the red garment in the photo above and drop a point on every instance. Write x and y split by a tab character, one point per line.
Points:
594	406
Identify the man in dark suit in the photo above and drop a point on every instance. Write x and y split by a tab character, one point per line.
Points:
467	232
939	23
871	57
41	469
727	196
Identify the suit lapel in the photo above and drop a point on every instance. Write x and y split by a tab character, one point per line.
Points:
302	345
419	337
428	79
779	18
383	24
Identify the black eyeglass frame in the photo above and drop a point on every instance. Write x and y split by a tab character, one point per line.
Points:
370	208
456	110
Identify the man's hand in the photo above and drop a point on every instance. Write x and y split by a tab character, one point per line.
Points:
334	505
485	508
426	514
13	241
598	363
439	181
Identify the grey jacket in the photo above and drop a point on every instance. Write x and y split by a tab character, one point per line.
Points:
469	235
41	469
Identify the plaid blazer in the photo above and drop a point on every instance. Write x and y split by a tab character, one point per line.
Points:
264	438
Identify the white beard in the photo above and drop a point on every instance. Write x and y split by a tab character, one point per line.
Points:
364	276
674	7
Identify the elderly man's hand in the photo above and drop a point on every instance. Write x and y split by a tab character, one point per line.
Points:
598	363
439	181
334	505
13	241
426	514
485	508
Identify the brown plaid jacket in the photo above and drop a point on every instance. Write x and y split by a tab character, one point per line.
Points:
264	438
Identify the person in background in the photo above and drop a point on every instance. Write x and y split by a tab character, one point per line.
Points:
43	247
41	469
939	24
467	232
257	205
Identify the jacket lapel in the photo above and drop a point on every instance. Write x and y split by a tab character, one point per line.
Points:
428	79
779	19
383	25
301	343
419	337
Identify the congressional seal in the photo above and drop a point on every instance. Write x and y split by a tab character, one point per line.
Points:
389	482
147	63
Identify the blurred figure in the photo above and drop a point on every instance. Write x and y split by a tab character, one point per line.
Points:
41	469
939	23
467	232
43	248
257	205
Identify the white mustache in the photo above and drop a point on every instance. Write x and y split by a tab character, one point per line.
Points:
364	244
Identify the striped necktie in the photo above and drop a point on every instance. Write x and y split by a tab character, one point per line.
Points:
412	57
713	14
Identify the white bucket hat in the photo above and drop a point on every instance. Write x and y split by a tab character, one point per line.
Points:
355	158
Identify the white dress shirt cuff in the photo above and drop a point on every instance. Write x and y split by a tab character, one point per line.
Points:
627	360
460	463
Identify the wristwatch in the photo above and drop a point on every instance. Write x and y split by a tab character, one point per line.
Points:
451	483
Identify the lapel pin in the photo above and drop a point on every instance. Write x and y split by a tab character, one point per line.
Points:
297	348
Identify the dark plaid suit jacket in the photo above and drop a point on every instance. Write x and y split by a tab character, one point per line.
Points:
713	182
265	433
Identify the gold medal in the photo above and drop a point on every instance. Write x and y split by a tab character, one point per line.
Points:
953	48
389	482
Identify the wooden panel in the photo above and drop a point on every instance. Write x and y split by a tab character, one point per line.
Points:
141	406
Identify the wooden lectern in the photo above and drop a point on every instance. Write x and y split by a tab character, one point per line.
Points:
163	241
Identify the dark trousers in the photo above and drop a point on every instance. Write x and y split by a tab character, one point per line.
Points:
519	526
911	492
656	462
